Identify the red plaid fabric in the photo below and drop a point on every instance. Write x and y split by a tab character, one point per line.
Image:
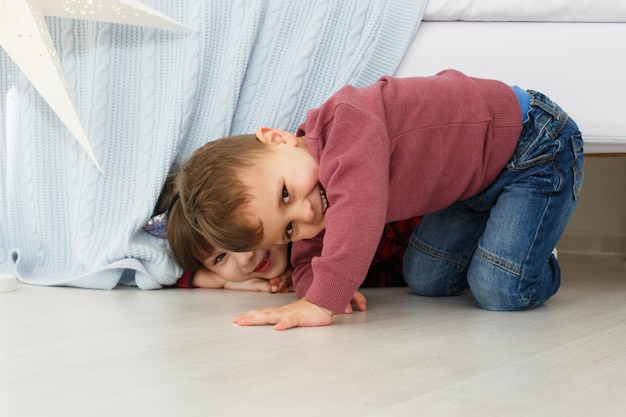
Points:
386	268
186	280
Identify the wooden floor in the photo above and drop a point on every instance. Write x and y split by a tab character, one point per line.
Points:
71	352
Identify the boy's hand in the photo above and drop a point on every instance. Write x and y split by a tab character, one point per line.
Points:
358	300
302	313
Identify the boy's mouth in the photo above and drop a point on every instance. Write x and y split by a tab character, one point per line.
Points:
264	265
324	199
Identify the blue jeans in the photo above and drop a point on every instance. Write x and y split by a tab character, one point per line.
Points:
499	243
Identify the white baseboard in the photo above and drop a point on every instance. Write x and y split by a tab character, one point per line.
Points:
591	244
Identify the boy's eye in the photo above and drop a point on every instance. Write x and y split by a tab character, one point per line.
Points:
285	195
219	258
289	230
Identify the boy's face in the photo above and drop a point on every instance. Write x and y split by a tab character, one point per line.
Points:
241	266
286	195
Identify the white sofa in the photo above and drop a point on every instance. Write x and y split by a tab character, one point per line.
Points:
571	50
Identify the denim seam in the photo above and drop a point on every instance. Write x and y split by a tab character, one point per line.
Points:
560	177
436	253
499	262
578	173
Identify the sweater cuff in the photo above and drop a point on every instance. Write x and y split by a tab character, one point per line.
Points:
331	291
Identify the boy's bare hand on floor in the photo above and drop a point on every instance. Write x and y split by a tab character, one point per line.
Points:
301	313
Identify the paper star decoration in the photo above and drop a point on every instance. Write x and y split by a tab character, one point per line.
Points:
26	39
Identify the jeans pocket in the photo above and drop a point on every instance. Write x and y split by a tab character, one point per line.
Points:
535	150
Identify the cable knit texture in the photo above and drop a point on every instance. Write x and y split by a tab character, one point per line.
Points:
147	98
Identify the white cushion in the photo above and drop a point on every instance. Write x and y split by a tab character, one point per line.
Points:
527	10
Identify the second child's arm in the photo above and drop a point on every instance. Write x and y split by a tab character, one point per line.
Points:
203	278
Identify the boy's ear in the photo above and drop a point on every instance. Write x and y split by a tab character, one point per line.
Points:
271	136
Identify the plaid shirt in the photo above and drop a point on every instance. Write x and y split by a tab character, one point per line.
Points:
386	268
185	280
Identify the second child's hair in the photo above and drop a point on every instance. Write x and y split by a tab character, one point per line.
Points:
211	208
187	245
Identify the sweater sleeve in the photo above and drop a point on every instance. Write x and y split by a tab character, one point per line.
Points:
302	253
356	183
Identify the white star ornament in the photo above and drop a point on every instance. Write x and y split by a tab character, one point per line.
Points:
26	39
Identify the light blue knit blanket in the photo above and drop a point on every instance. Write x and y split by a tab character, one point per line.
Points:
149	97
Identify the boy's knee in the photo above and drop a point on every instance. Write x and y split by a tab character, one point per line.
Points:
415	277
498	298
498	289
430	276
426	286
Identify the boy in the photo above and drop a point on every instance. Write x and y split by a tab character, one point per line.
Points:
495	170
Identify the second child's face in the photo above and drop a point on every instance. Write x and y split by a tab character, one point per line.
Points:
287	197
241	266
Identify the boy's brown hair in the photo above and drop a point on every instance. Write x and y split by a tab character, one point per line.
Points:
210	209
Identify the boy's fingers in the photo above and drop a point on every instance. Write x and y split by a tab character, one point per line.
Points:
359	301
361	305
258	317
280	319
286	323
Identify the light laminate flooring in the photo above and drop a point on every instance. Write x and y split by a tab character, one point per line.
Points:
72	352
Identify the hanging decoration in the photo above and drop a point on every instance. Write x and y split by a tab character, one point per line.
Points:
25	37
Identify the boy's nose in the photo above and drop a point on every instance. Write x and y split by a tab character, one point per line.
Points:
306	212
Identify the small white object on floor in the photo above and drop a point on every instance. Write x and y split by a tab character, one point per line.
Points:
8	283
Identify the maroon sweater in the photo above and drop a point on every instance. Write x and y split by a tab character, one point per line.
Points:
400	148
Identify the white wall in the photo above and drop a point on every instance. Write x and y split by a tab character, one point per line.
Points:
599	221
